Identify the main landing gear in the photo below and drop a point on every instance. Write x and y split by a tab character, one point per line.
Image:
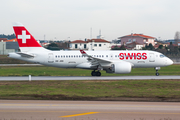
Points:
95	73
157	68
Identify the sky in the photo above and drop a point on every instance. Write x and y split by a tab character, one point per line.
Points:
73	19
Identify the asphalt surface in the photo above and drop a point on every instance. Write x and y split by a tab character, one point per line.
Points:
88	110
26	78
21	65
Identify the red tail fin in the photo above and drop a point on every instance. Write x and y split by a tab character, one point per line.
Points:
24	38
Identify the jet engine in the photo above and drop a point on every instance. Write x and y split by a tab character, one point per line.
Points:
120	68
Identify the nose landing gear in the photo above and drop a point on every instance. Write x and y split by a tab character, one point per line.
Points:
157	74
157	68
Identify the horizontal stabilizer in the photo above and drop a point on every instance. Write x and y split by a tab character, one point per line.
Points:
25	55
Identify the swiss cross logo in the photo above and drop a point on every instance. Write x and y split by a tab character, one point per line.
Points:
24	36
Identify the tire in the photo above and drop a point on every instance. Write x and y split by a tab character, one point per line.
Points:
157	74
98	73
93	73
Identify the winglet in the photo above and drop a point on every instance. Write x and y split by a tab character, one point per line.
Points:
82	52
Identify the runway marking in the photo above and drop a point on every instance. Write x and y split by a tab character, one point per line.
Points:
80	114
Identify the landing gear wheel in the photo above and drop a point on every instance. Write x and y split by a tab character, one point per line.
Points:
94	73
157	68
98	73
157	74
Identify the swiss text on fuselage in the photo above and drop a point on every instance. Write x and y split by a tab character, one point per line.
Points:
134	56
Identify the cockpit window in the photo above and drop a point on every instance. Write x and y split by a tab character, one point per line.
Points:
161	56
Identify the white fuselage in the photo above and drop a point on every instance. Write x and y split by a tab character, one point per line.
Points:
73	59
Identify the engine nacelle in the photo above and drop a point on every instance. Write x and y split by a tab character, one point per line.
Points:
120	68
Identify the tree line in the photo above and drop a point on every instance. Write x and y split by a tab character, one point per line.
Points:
12	36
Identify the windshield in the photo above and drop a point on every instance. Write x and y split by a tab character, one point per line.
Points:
161	55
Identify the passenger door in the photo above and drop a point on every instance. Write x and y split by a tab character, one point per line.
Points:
50	58
151	57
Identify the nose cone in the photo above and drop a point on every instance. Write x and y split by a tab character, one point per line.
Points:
169	62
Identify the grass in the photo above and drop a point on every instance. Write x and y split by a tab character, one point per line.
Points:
87	90
52	71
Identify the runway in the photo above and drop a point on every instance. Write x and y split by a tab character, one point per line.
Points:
88	110
26	78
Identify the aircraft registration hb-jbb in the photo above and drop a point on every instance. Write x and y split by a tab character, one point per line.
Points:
118	62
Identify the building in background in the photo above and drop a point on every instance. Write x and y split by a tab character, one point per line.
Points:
90	45
78	44
98	44
12	40
140	40
134	46
7	47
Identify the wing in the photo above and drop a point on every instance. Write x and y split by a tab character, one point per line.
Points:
94	61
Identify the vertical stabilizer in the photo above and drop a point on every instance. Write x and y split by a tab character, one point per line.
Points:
25	40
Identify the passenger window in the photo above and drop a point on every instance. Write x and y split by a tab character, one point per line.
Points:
102	55
106	55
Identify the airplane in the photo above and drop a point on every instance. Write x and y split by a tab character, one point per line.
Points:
118	62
